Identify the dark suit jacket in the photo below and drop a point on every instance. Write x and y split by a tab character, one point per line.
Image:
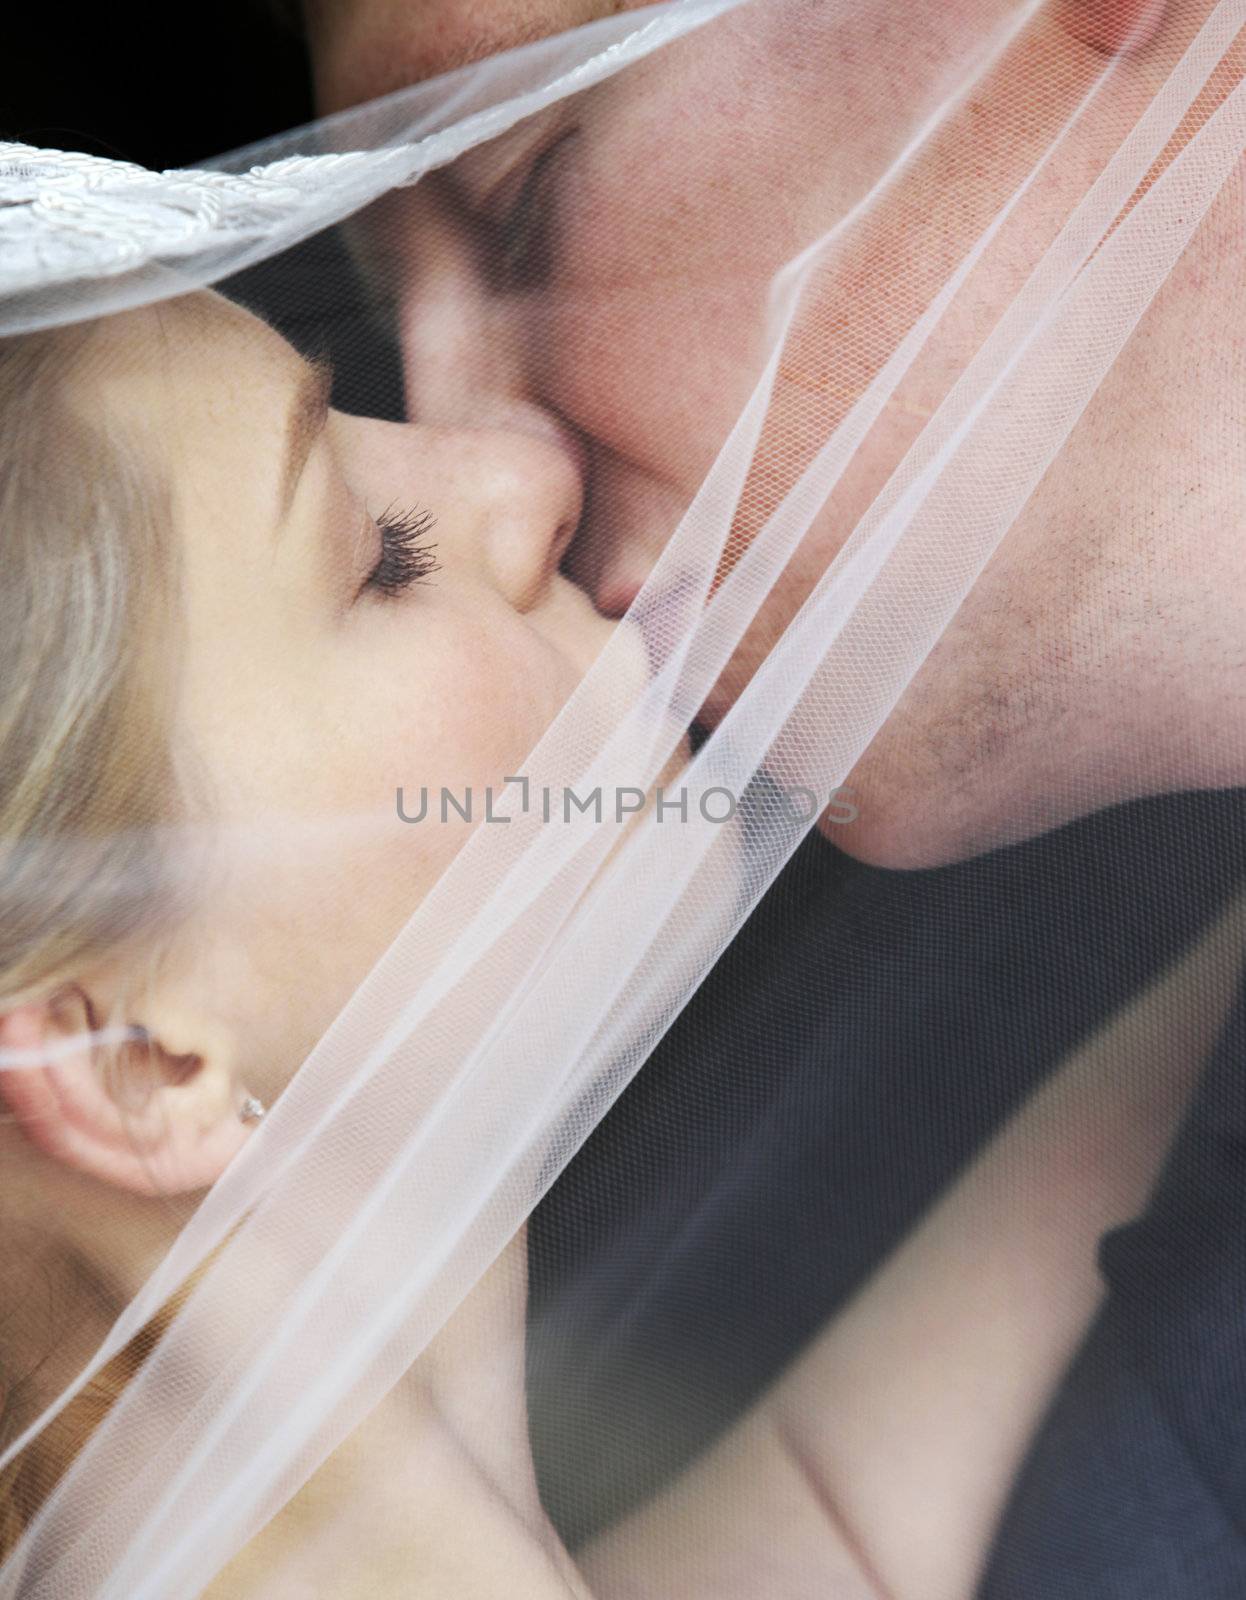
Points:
863	1036
1136	1484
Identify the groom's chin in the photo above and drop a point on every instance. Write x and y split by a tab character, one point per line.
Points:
890	814
908	832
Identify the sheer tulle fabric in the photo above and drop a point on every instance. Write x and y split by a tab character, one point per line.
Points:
919	365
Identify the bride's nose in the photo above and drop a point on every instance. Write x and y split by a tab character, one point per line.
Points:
511	499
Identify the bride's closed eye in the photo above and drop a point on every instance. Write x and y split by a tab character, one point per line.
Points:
406	554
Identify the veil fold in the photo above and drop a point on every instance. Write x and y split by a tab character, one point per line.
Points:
532	984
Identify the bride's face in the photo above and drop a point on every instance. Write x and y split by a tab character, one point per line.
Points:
331	652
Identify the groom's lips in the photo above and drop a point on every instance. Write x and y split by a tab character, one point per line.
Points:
671	604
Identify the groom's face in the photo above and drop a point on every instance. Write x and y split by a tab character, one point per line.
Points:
365	48
639	320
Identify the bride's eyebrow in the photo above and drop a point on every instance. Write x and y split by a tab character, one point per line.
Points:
305	421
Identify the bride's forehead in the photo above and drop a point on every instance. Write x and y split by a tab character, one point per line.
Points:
198	353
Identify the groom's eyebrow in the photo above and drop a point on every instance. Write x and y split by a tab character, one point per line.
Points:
305	421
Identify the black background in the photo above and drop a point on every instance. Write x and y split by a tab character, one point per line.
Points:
163	86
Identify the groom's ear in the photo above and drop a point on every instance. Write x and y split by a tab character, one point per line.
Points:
131	1113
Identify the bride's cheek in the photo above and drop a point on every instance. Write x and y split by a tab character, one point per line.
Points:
497	693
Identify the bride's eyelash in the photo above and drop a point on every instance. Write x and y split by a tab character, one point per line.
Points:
406	555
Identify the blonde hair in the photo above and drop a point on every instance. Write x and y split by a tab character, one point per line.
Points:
85	773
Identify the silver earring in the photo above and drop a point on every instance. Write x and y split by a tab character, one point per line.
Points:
251	1109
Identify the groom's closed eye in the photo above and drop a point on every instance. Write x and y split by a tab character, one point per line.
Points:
510	186
525	236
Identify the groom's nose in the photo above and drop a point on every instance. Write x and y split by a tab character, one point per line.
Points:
465	367
464	371
464	359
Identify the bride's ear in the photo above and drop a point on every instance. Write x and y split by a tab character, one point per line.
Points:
153	1122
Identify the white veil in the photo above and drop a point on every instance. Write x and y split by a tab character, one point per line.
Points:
551	957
